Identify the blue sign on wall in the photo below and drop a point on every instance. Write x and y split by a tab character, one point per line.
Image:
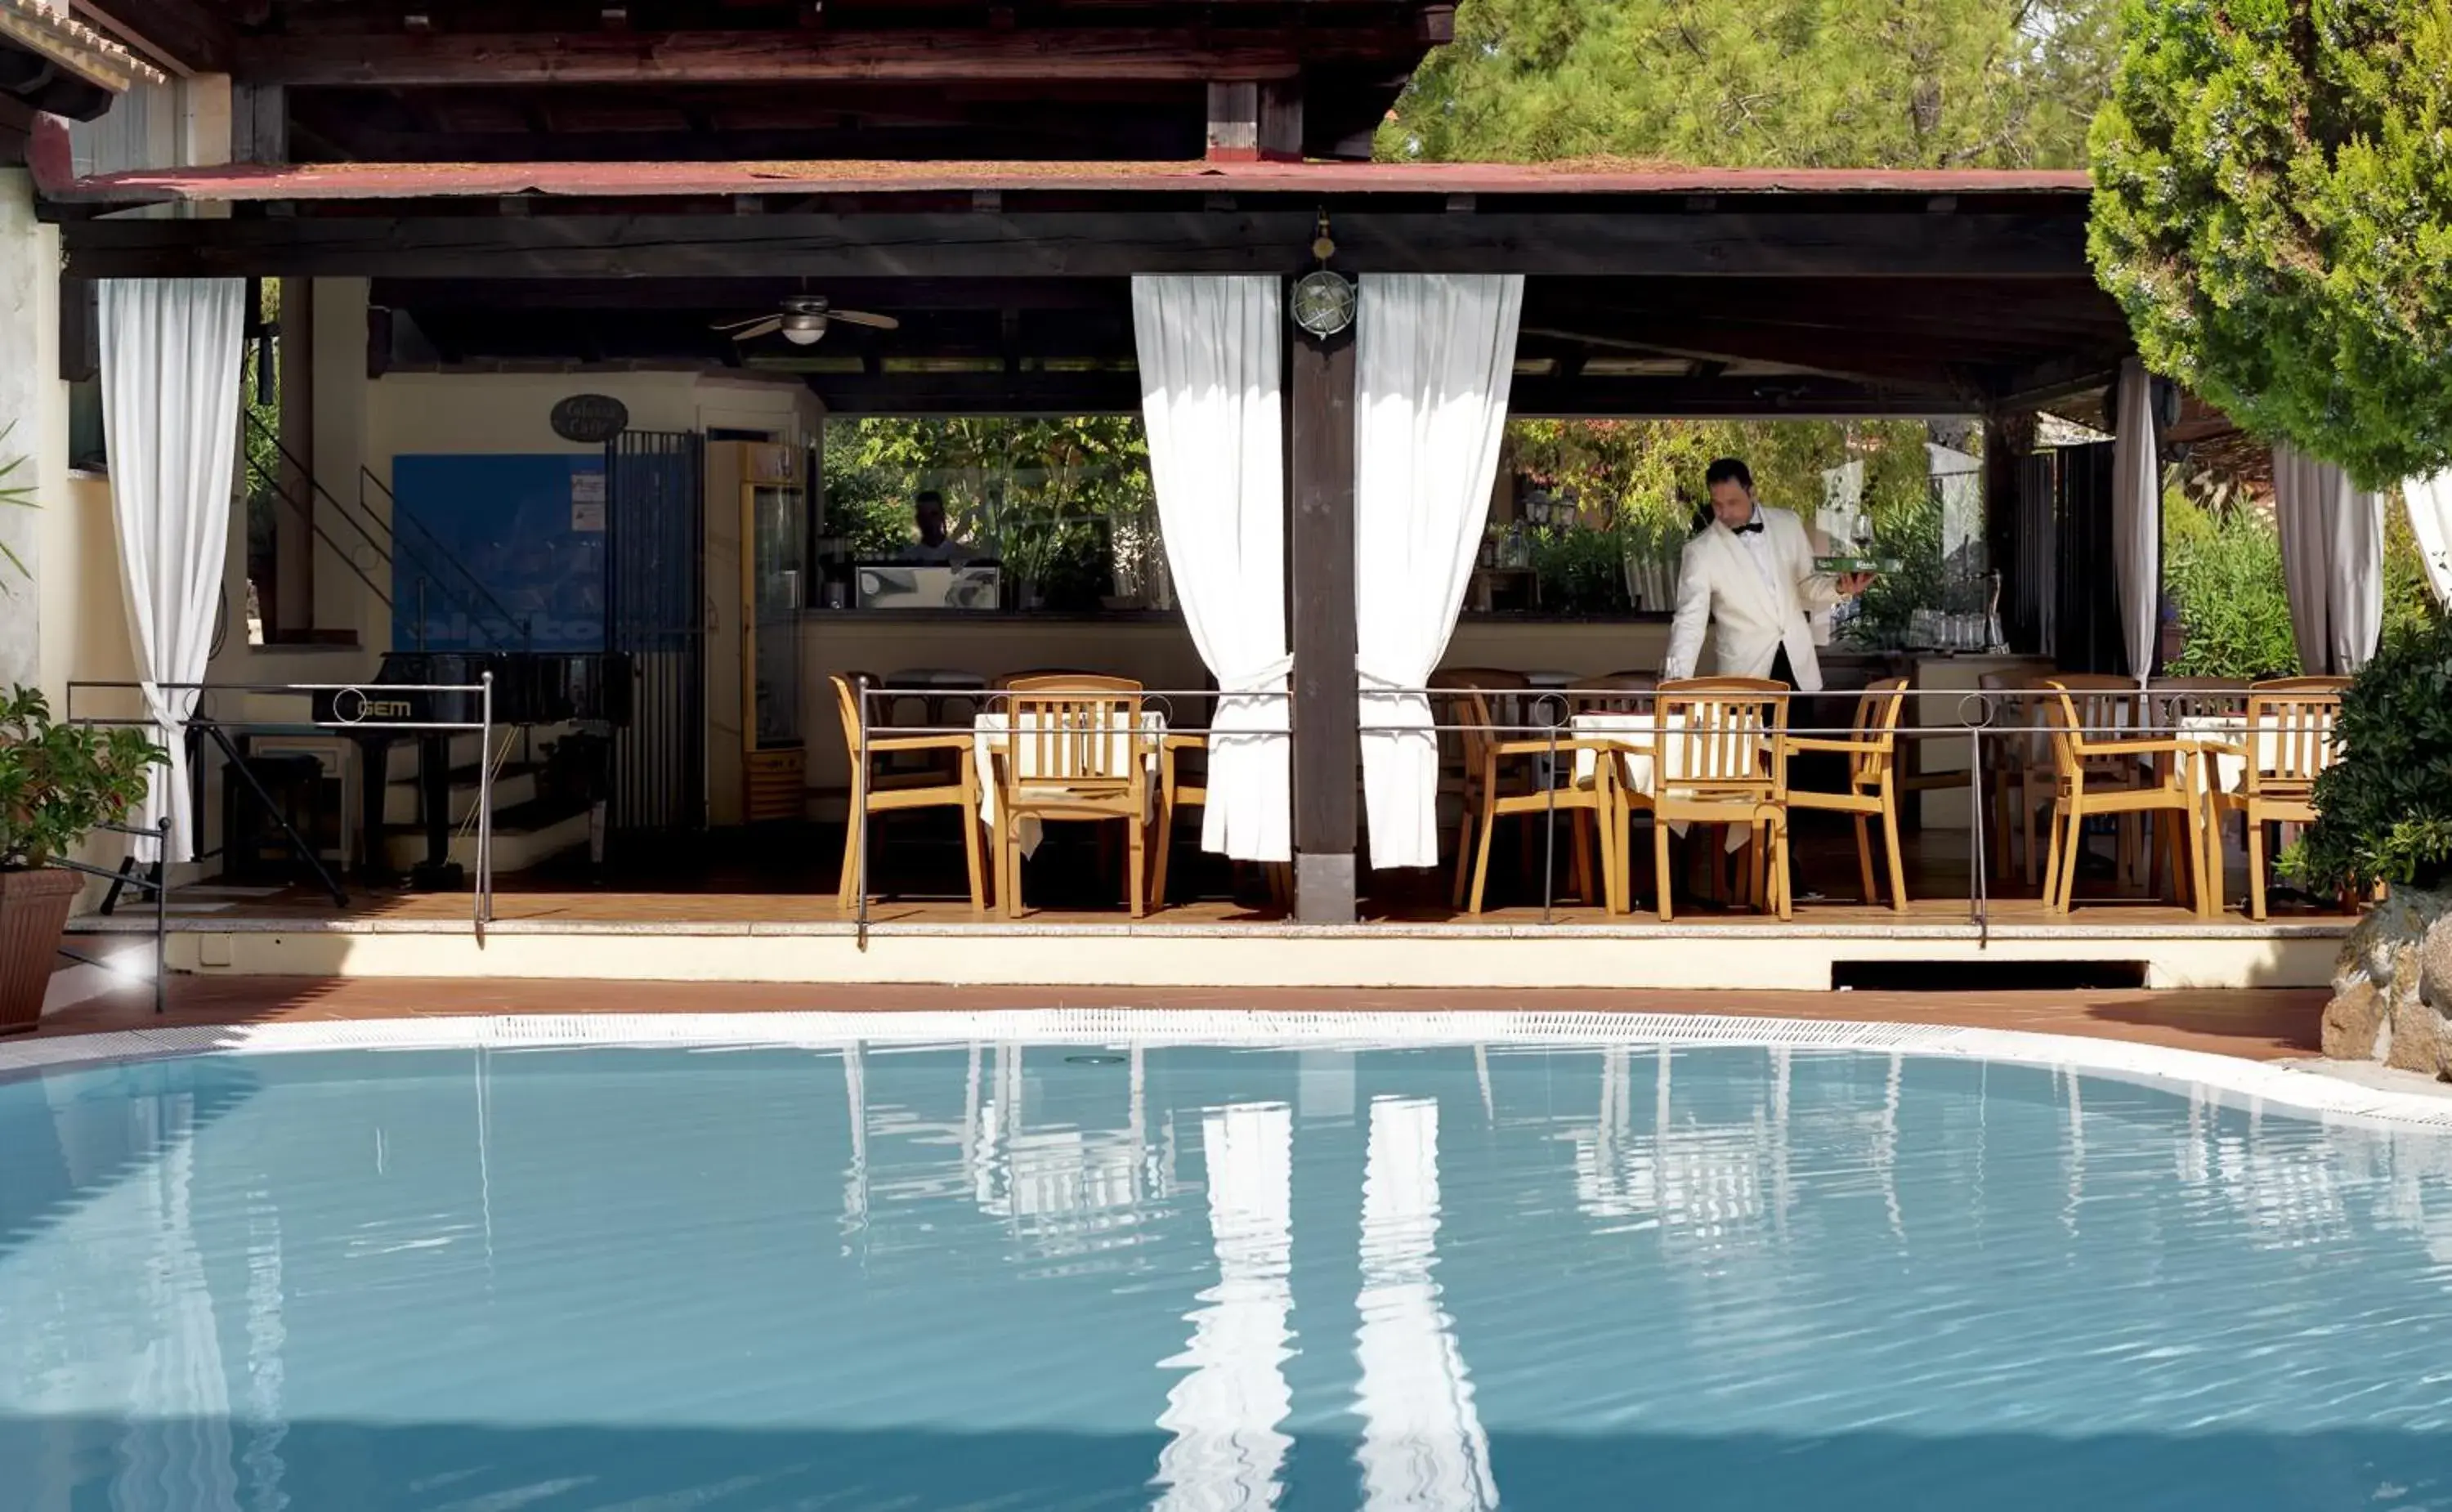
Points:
498	553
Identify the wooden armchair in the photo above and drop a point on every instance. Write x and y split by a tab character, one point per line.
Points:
1460	759
2017	767
1073	753
1505	779
2095	775
873	791
1872	782
1719	755
2289	742
2101	702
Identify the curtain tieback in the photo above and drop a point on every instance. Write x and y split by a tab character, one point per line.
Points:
1270	676
1374	681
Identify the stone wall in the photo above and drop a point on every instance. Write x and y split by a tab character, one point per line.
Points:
2392	988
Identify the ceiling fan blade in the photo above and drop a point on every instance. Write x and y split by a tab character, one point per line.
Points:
882	323
766	325
734	325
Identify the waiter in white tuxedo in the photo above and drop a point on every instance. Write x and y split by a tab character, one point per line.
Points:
1747	576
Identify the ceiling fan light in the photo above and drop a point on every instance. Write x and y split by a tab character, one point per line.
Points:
803	334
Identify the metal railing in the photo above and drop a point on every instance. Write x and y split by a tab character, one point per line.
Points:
353	707
1976	717
158	886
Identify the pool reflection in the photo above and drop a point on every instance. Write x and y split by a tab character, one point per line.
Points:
326	1281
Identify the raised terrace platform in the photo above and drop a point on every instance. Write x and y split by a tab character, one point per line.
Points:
747	937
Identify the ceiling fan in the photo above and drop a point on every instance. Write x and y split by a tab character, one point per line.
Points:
803	320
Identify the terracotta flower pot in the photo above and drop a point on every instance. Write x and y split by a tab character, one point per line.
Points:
34	909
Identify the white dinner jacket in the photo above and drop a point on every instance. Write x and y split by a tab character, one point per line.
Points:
1719	585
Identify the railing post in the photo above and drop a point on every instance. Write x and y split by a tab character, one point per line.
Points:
857	825
161	911
485	903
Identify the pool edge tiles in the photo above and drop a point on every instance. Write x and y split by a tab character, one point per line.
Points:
2297	1086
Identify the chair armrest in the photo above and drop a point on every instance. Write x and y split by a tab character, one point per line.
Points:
2116	747
918	743
1526	748
1184	742
1797	742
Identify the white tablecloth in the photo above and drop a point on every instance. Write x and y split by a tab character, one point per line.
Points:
990	743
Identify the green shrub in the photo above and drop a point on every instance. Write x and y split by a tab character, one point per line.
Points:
1581	570
2222	568
2384	808
59	783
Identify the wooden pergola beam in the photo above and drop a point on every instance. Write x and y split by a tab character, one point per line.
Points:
1076	245
1039	56
182	35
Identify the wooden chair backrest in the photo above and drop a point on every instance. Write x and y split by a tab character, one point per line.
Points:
2290	731
1722	738
1075	736
2018	714
847	686
1877	725
1069	681
2094	708
2172	699
1618	693
1005	681
1464	706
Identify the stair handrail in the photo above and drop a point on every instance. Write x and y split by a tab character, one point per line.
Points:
434	543
361	518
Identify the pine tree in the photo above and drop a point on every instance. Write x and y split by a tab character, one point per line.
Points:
1761	83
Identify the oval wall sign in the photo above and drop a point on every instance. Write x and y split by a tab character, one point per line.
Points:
590	419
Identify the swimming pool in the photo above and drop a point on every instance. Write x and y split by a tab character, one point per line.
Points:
1013	1275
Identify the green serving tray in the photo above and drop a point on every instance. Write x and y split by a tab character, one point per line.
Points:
1852	564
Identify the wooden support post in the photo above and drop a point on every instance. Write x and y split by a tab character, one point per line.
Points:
1255	122
260	124
292	610
1327	750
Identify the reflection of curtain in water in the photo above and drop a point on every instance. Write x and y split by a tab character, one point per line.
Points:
1227	1448
1422	1442
267	1339
855	1204
176	1453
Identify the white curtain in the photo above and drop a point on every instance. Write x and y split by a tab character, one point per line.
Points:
2137	517
1226	1416
170	406
1432	356
1423	1446
2332	562
1210	398
2430	520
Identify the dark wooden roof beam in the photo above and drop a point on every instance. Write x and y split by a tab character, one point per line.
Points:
1043	57
1077	244
186	36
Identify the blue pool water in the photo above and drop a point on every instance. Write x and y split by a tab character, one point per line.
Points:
1039	1277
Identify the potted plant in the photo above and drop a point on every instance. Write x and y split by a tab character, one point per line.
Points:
58	783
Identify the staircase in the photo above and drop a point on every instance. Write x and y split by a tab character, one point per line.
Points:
530	823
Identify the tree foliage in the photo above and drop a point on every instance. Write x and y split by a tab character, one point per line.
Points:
1769	83
2383	809
2273	209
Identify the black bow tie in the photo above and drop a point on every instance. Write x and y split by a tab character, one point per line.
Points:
1751	527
